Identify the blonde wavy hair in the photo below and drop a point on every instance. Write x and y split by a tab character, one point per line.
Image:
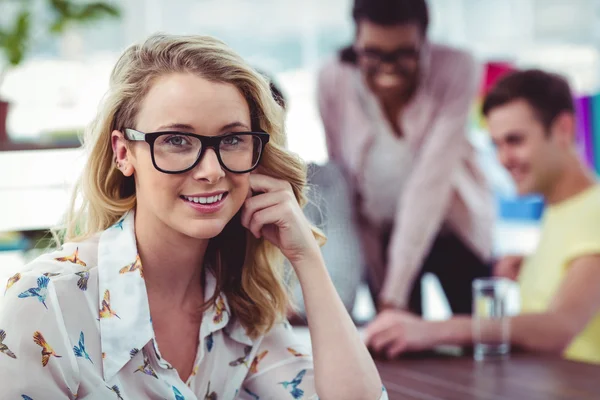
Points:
253	278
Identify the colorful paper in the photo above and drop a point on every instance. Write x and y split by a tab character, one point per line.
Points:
585	129
595	145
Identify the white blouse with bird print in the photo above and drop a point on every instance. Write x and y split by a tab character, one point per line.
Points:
76	324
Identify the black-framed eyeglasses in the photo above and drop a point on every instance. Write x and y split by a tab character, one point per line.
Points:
375	57
178	152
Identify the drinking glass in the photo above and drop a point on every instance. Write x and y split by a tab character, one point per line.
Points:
491	322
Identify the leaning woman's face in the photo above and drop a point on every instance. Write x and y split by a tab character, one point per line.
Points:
200	202
388	57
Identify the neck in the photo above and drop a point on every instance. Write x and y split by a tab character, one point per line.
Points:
172	262
574	179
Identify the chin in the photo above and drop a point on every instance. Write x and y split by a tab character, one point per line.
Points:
524	190
390	92
203	229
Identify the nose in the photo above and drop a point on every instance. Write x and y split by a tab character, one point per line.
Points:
209	169
387	67
504	156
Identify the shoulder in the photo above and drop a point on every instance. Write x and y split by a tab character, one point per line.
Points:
282	339
581	211
448	64
576	225
60	271
453	56
587	212
334	72
70	258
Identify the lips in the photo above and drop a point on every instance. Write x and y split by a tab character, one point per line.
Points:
209	203
205	199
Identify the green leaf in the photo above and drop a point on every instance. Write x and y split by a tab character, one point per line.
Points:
68	12
61	6
97	10
14	42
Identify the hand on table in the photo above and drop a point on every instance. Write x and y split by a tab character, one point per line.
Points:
394	332
508	267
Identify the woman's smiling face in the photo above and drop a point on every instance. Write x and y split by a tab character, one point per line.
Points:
200	202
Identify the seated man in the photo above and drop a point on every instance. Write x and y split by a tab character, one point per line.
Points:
531	118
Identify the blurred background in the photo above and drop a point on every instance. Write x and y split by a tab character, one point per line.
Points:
54	88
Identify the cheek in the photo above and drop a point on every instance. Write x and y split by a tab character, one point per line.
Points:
240	185
156	186
522	154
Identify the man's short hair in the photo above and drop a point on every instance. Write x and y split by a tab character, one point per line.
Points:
547	93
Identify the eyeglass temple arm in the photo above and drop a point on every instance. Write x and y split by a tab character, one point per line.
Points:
132	134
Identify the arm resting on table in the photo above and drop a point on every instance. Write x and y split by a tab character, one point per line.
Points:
576	302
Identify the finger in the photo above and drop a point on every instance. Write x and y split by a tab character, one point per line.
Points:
395	349
259	202
382	322
385	339
266	216
265	183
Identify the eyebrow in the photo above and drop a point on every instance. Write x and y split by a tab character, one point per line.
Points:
187	127
395	50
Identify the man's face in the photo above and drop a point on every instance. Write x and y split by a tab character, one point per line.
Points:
388	57
532	154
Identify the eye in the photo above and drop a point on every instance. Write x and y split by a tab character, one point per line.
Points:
231	140
177	140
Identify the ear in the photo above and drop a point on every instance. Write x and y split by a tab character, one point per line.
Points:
564	129
122	153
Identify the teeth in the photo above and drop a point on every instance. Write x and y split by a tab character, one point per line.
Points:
205	200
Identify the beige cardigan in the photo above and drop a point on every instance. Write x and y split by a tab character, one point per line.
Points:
445	184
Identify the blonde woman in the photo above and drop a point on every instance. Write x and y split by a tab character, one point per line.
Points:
169	281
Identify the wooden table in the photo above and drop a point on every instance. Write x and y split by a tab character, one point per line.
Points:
522	377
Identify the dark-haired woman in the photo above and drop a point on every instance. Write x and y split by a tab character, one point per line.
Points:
395	109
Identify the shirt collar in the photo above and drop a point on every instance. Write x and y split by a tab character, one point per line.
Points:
124	314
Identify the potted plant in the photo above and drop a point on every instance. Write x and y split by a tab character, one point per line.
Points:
17	37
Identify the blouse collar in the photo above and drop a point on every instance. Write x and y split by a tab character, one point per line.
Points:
124	315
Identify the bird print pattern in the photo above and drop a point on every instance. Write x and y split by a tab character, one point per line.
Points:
253	395
40	292
134	266
296	353
12	280
82	282
73	258
210	395
243	359
106	311
177	393
93	322
146	369
80	351
117	391
3	347
292	386
257	359
47	351
219	310
210	342
119	224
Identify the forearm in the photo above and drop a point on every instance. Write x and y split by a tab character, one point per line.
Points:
544	332
344	368
417	223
